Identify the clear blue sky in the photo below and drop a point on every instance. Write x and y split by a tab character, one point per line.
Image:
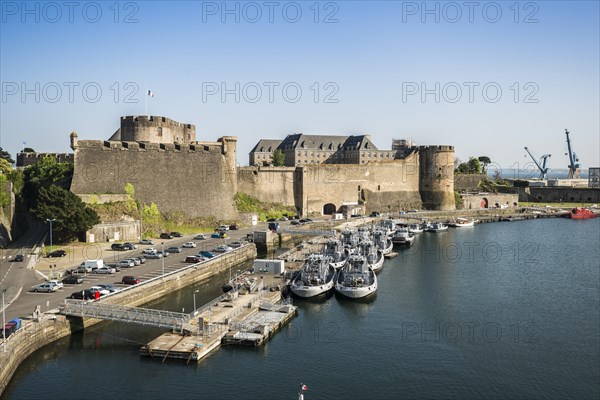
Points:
375	61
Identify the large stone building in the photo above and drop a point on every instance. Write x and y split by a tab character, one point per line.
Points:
26	159
324	174
301	149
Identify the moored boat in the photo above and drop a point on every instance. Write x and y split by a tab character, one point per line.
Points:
462	223
415	228
581	213
372	254
382	241
316	277
356	279
403	237
437	227
334	250
390	226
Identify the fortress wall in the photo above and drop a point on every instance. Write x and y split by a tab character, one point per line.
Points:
272	184
392	184
186	178
467	182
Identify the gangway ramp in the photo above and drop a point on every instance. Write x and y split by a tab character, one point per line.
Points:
133	315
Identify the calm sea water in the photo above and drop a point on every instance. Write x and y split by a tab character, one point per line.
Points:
504	310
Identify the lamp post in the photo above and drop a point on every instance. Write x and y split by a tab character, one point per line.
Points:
163	257
3	324
194	294
51	221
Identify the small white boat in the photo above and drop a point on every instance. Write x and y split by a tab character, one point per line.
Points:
403	237
356	279
415	228
316	277
463	223
437	227
390	226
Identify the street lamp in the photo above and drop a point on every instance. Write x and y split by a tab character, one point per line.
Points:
51	221
194	294
163	258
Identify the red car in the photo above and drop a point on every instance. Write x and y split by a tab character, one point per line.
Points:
194	259
130	280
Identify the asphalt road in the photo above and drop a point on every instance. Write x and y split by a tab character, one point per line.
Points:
18	279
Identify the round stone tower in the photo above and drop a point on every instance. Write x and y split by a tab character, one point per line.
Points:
156	129
436	177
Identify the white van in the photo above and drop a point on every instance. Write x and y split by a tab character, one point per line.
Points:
92	265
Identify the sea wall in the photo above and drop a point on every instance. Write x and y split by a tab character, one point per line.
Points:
269	184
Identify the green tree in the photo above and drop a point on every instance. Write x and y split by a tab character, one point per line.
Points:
71	214
5	166
6	155
129	189
28	150
485	161
45	173
278	158
4	194
474	166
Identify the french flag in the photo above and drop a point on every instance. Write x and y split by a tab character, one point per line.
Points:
304	388
150	93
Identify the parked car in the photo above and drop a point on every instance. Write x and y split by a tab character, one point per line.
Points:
223	228
194	259
130	280
412	211
141	258
103	291
126	264
189	245
83	295
118	247
105	270
56	282
166	236
206	254
57	253
109	287
236	244
83	269
294	222
375	214
234	227
222	249
136	261
284	218
45	287
150	250
273	226
176	234
130	246
306	221
173	249
72	280
201	236
271	220
114	266
153	256
147	241
19	258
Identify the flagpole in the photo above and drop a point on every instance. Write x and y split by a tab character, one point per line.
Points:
146	99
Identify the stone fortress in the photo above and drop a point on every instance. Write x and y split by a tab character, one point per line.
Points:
166	165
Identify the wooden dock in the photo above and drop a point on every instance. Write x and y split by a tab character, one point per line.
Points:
236	318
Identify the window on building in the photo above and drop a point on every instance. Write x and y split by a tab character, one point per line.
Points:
159	131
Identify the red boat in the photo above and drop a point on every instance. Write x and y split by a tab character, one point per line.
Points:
581	213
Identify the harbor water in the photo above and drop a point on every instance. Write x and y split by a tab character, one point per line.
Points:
497	311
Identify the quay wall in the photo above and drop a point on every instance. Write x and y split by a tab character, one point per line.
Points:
270	184
36	335
560	194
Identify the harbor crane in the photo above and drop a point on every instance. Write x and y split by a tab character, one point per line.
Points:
541	164
573	160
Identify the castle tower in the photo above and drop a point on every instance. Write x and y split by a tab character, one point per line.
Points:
436	177
73	140
155	129
229	150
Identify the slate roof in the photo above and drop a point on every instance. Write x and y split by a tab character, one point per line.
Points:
266	145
